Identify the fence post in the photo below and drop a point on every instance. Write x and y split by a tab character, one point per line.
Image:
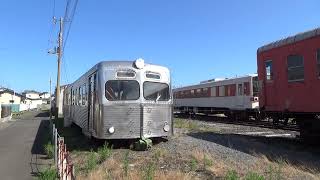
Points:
52	132
55	147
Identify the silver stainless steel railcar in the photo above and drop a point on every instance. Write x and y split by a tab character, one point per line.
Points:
121	100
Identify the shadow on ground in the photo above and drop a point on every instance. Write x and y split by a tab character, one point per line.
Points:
77	141
39	158
290	150
43	114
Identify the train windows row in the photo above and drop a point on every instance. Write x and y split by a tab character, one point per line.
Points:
295	67
240	89
77	96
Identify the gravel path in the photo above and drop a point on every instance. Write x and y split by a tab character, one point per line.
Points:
244	146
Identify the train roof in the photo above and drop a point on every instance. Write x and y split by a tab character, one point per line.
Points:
203	84
123	64
117	64
290	40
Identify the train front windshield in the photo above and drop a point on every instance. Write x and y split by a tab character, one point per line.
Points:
121	90
156	91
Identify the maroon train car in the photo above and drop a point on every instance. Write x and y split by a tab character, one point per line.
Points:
289	72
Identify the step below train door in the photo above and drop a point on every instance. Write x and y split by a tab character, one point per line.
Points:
91	102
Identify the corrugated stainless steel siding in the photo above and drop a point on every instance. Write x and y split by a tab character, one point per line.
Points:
80	116
124	118
155	116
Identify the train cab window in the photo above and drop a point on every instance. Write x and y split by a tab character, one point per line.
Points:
269	70
156	91
126	73
121	90
295	68
152	75
318	61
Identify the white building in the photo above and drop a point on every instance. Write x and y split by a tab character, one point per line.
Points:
8	96
44	95
31	94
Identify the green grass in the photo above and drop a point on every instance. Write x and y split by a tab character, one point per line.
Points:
126	163
232	175
149	171
207	162
193	164
92	162
275	172
186	124
104	152
48	174
192	125
49	150
254	176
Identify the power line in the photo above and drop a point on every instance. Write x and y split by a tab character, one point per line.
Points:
70	20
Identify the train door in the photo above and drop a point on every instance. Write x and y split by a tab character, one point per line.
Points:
91	102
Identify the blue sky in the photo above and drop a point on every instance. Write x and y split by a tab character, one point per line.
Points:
196	39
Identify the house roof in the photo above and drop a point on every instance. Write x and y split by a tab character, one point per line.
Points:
10	91
43	93
30	91
290	39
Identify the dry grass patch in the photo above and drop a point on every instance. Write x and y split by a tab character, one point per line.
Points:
172	175
283	169
191	125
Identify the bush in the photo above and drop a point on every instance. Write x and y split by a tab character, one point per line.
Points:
232	175
254	176
92	162
49	150
104	152
48	174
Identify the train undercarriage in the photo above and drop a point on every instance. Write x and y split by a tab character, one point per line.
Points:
308	123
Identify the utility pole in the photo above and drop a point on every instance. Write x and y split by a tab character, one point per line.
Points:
59	52
50	102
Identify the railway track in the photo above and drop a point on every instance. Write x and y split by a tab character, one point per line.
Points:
222	119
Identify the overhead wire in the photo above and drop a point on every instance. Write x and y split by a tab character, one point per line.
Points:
52	28
68	18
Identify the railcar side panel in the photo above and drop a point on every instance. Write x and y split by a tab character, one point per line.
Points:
279	94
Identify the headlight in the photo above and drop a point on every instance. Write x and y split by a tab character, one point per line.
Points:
166	127
139	63
111	130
